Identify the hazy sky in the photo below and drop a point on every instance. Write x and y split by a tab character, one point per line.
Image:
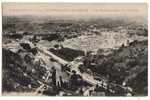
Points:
74	10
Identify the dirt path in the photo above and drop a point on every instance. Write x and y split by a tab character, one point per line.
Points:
87	77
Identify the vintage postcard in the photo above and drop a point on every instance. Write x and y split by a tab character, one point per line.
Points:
74	49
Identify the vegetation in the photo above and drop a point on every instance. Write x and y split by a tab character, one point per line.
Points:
67	53
127	64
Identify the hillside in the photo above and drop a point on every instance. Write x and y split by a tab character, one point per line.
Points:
125	66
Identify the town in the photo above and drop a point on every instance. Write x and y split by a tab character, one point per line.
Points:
74	58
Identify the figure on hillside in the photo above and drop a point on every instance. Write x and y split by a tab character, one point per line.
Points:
73	78
61	81
53	76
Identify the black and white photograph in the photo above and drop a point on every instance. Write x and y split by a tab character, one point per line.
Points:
75	49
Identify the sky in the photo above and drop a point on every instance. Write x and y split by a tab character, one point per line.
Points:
74	10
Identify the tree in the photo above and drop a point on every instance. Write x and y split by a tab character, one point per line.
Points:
60	39
56	46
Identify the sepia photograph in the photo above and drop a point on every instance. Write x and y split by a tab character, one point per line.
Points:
75	49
